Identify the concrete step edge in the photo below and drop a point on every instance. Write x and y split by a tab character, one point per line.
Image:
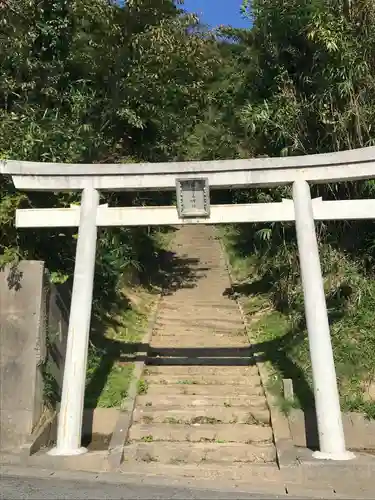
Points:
229	433
196	452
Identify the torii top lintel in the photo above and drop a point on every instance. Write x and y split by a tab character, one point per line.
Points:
354	164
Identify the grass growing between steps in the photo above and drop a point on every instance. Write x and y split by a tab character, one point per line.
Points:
272	297
116	333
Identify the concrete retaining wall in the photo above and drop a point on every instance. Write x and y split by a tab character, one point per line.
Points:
33	332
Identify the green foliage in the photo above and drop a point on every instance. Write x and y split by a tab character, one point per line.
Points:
93	82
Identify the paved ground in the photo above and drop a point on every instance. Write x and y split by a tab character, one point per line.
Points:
17	488
202	397
318	481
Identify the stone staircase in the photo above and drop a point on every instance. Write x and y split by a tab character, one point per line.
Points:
201	399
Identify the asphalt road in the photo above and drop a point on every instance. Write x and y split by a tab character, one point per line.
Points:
17	488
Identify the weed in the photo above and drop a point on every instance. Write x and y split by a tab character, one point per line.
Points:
205	420
172	420
147	439
147	457
287	405
142	387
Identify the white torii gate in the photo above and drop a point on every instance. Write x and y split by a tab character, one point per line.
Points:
192	181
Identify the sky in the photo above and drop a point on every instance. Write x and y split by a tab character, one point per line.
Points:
216	12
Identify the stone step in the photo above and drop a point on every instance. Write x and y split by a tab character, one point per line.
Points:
169	303
223	309
194	401
188	236
212	288
209	288
219	344
205	270
228	371
205	262
213	270
185	331
202	267
200	253
222	380
204	275
203	250
193	318
204	257
205	242
219	361
193	327
202	415
205	390
198	333
198	326
195	311
192	299
174	453
262	477
192	295
216	284
237	433
219	275
160	342
200	347
192	350
220	305
198	350
236	340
